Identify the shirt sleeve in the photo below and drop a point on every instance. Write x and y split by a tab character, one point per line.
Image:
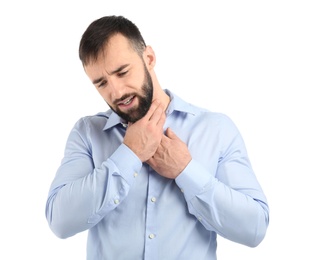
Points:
81	194
229	200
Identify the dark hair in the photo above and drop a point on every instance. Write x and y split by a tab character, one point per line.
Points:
98	33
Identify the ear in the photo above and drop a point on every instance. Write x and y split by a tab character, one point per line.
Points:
149	57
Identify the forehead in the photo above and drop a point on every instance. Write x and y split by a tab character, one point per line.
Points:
117	52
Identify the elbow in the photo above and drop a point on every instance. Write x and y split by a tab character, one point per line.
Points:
257	239
258	233
251	237
61	225
254	229
61	229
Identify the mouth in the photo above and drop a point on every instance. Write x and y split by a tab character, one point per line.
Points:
126	103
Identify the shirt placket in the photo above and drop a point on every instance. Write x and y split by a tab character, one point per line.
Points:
151	236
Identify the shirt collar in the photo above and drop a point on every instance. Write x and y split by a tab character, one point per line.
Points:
176	104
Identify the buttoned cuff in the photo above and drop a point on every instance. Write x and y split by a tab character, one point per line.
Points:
193	179
127	162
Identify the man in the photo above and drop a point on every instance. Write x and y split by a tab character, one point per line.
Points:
154	177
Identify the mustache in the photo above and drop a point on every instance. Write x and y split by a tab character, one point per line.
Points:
122	98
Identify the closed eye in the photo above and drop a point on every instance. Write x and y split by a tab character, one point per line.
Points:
102	84
121	74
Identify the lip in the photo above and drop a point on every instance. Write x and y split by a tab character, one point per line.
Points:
126	103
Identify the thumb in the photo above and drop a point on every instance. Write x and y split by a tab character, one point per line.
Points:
170	134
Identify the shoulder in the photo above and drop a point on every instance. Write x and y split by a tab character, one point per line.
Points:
191	110
214	117
98	120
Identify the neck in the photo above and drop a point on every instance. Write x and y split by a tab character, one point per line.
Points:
159	93
163	97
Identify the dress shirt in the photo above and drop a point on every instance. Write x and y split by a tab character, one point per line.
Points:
133	213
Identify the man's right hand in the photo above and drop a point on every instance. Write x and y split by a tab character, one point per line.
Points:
144	136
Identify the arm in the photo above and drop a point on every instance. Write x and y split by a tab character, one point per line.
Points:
81	195
222	192
234	208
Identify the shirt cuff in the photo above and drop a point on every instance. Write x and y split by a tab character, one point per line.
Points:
193	179
127	162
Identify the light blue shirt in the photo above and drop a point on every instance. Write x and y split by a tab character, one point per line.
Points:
132	213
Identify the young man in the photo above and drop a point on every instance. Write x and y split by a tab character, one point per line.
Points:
154	177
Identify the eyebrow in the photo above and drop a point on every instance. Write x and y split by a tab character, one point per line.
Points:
122	67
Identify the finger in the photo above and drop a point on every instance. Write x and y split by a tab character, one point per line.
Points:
157	114
169	133
161	120
155	104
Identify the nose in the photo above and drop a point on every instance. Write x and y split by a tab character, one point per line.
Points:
116	88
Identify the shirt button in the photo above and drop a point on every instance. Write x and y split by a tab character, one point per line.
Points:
153	199
135	174
116	201
151	236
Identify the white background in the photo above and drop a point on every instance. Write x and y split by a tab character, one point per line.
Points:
253	60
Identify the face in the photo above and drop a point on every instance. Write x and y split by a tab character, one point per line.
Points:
121	77
144	97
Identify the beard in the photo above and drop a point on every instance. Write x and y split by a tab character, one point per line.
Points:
145	100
